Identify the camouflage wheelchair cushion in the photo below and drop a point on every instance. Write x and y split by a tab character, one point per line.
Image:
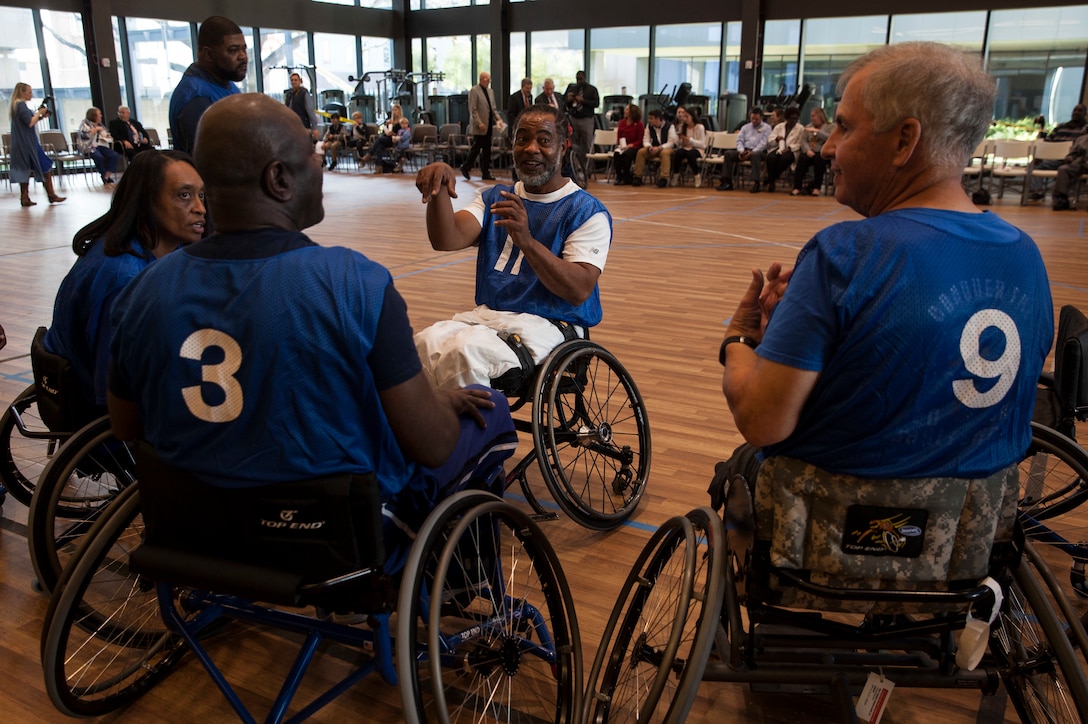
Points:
811	518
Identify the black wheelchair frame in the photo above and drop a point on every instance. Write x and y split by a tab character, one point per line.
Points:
590	432
681	599
470	636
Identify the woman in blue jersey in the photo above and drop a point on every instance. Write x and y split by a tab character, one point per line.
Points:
158	206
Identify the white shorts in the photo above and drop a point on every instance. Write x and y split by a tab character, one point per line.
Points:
467	349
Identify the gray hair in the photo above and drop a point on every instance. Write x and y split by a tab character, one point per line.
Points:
942	87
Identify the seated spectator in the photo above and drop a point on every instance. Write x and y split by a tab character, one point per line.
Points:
812	142
129	134
629	135
1069	172
358	135
655	144
270	387
542	245
751	146
689	141
404	140
1071	130
899	328
96	143
334	138
157	207
388	137
785	144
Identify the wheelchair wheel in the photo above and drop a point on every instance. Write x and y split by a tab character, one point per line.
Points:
1053	475
657	641
23	458
500	641
86	475
592	435
104	643
1035	657
1053	485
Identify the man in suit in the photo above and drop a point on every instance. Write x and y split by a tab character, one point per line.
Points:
518	102
483	117
582	100
128	133
549	98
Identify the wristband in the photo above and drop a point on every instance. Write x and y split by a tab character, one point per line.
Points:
730	340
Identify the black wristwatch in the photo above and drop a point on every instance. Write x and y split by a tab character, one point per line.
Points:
730	340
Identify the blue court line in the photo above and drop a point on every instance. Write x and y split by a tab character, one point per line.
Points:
1080	229
27	377
549	504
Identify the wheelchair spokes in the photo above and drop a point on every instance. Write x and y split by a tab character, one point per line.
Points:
27	445
595	438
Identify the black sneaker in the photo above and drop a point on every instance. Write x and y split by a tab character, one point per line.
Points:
1037	195
662	183
464	171
636	181
725	187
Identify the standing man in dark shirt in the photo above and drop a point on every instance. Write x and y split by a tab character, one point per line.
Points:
482	118
300	101
582	100
221	61
128	133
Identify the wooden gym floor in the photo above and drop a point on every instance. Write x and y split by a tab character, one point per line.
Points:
679	262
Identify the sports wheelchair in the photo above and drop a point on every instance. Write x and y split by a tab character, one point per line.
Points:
39	420
484	622
591	435
774	594
1054	473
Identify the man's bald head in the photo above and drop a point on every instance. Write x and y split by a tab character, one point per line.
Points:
241	134
253	152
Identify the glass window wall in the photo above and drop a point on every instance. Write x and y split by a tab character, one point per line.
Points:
830	45
690	54
964	30
1037	56
781	46
282	53
20	61
66	51
159	52
557	54
334	61
619	62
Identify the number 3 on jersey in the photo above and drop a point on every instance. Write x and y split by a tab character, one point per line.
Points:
1003	369
221	375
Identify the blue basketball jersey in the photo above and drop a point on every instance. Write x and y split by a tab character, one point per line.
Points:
246	348
506	283
80	332
929	329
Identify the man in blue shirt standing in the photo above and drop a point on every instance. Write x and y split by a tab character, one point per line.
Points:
221	61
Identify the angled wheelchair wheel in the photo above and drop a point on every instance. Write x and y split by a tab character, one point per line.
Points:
104	643
23	458
1053	488
83	477
592	435
493	630
1035	656
656	643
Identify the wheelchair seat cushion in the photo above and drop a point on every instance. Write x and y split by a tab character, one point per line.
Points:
865	533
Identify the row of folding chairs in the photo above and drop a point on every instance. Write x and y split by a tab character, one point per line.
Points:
1013	162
